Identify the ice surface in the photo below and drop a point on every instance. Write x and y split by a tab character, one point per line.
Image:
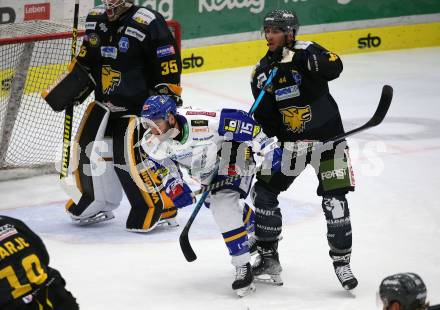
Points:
395	210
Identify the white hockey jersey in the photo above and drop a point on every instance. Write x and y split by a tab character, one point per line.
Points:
201	145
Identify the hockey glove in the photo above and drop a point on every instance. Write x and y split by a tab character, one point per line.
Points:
173	90
179	193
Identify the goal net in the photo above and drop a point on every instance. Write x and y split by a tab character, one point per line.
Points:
33	56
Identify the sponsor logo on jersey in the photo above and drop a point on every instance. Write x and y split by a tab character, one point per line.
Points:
295	118
211	114
123	44
90	25
200	129
203	138
93	39
114	108
164	51
6	231
110	79
144	16
231	125
199	122
287	93
120	29
109	52
103	27
130	31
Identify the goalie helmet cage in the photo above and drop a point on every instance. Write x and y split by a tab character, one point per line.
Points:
33	56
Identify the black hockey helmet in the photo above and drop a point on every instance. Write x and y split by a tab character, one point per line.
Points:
284	19
407	289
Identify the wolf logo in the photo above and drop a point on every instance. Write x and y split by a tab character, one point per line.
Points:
110	79
295	118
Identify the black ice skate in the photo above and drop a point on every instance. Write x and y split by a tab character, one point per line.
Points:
341	264
267	267
243	284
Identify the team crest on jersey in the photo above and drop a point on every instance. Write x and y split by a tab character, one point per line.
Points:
110	79
296	77
123	44
93	39
144	16
295	118
332	57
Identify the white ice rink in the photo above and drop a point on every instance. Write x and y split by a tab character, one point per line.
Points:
395	209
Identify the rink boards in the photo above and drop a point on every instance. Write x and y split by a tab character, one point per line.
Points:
247	53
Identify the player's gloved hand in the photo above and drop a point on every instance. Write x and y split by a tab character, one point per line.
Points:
179	193
306	60
276	155
172	90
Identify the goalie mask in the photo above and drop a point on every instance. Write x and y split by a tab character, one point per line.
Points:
115	8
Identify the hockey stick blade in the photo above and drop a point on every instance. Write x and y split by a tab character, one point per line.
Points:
185	245
384	104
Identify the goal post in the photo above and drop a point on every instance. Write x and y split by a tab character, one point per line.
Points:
33	56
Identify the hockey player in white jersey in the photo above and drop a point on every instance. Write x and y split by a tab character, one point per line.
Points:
212	145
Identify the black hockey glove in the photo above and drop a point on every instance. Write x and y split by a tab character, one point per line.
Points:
172	90
306	60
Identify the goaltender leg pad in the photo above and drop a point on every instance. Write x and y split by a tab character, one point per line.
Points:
72	89
94	174
142	187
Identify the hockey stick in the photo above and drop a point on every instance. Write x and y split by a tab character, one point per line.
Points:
187	250
68	117
376	119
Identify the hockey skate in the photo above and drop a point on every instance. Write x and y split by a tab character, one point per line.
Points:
243	284
101	216
169	222
267	267
341	264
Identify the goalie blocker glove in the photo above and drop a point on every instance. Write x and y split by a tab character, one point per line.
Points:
73	88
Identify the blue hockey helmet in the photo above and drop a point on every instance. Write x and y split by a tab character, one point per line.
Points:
156	107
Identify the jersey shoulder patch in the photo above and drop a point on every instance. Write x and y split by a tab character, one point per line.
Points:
143	16
302	45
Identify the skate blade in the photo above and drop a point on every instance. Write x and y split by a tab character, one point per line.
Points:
272	279
98	218
171	223
242	292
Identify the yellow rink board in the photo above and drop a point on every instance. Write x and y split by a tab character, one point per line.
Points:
248	53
